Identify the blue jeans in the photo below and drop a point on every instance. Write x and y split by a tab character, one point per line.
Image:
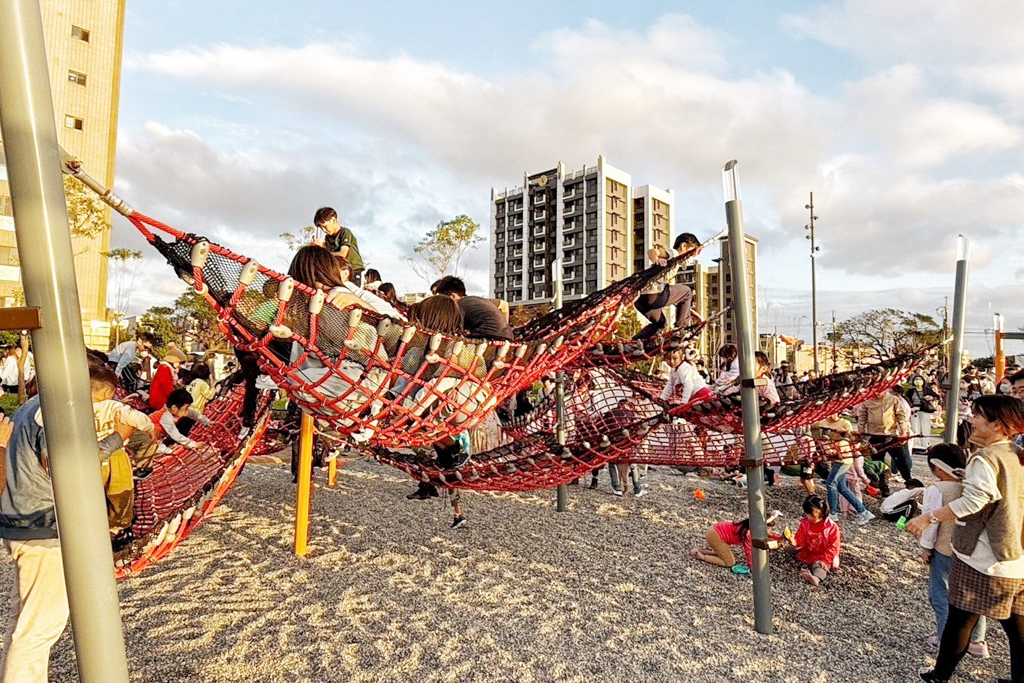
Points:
836	484
938	596
634	474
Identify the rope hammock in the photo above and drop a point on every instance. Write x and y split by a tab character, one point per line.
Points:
376	379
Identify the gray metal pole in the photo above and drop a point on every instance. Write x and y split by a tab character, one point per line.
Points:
561	493
47	266
754	459
814	287
956	353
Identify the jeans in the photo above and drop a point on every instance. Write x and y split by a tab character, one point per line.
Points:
900	455
650	306
634	475
836	484
938	596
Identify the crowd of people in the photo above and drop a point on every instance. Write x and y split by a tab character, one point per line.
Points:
969	519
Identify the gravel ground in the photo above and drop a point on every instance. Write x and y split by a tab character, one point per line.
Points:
605	592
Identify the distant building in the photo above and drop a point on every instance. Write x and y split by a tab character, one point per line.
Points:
83	46
413	297
593	218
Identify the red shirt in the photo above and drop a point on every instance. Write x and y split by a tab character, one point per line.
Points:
162	386
732	533
819	542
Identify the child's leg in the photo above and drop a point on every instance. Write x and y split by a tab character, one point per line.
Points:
819	570
456	500
847	494
938	589
722	553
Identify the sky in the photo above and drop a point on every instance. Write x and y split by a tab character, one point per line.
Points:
905	119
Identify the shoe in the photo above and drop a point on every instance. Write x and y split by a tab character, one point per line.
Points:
593	484
864	517
458	523
834	517
928	675
979	649
422	492
641	492
451	458
617	492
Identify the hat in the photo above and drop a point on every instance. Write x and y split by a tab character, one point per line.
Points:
174	354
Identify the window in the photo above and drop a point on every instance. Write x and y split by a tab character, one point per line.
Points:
73	122
76	77
80	33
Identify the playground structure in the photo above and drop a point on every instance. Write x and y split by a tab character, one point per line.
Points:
451	385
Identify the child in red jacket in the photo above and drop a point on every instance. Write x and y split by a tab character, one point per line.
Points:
165	379
818	541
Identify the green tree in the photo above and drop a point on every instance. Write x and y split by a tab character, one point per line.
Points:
295	241
87	214
125	268
628	325
195	318
888	332
443	248
158	321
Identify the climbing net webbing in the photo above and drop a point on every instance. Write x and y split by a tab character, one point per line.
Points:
375	378
186	484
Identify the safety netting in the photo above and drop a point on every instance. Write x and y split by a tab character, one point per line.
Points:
375	379
185	484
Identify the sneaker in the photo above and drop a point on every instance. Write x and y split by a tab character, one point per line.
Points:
979	649
422	492
617	492
864	517
834	517
451	458
458	523
641	492
928	675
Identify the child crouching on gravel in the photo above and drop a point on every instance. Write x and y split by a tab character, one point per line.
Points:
818	541
725	534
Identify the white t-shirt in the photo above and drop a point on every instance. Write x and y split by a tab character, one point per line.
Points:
105	411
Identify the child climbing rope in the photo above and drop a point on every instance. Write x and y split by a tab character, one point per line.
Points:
652	305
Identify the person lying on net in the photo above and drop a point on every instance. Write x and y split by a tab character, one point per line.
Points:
652	304
315	267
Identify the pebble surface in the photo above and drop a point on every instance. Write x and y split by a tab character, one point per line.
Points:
604	592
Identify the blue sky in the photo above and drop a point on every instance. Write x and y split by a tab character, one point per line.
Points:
905	119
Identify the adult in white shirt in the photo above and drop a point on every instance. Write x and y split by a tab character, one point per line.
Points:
9	371
987	576
122	355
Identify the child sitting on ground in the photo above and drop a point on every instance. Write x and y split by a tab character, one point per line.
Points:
905	503
818	541
947	463
176	420
725	534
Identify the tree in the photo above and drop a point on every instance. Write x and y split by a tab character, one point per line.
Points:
87	214
627	326
443	248
305	236
126	264
888	332
195	318
158	322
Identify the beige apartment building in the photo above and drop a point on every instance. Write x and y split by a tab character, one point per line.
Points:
84	41
593	218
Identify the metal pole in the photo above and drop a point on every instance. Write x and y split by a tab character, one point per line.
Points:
1000	355
754	458
814	286
957	352
305	485
48	274
561	493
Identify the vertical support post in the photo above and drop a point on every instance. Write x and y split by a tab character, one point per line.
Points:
956	353
561	493
1000	353
748	393
814	287
332	473
47	266
305	486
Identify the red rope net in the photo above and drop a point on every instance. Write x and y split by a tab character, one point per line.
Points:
377	379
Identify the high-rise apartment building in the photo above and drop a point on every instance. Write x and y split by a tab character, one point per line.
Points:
593	218
83	47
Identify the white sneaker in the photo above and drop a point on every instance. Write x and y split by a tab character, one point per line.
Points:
641	492
834	517
617	492
864	517
933	643
979	649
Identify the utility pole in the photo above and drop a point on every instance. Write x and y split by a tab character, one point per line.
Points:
945	330
835	364
814	283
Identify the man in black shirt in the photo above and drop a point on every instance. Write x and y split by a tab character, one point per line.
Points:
482	318
340	241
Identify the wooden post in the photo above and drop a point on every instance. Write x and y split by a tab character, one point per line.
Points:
305	489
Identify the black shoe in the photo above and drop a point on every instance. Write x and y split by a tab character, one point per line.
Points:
423	491
593	484
458	523
451	458
928	675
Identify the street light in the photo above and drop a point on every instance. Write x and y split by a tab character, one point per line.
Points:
814	284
